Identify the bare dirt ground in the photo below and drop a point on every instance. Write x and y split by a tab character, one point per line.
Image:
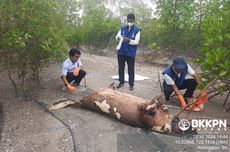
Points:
26	126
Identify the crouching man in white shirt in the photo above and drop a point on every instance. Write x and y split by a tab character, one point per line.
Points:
72	70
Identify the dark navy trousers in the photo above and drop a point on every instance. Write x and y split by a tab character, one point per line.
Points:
189	84
121	70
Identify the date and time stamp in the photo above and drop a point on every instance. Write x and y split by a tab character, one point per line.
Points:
207	142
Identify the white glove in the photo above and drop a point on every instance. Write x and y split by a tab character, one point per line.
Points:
119	44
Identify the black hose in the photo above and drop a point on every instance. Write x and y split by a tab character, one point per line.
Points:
46	110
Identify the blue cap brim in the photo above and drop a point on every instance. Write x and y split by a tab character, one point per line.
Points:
180	66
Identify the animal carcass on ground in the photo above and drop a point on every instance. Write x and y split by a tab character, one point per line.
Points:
128	109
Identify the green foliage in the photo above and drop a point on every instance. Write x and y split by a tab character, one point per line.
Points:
32	34
96	27
175	23
154	46
215	53
99	28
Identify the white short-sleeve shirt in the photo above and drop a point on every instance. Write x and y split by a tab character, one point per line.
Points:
170	81
69	66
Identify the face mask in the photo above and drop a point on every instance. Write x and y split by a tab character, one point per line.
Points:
130	24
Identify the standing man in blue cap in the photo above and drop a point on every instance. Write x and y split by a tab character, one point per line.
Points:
129	37
175	79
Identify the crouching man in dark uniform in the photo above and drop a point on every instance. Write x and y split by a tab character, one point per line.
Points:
175	79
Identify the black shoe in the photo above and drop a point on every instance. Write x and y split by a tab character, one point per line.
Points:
167	98
75	84
131	88
119	85
186	100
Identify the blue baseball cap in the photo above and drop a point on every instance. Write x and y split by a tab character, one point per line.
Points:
179	63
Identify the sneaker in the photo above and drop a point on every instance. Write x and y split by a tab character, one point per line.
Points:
119	85
131	88
64	88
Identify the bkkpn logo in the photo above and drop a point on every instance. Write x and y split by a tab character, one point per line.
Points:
184	124
205	124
